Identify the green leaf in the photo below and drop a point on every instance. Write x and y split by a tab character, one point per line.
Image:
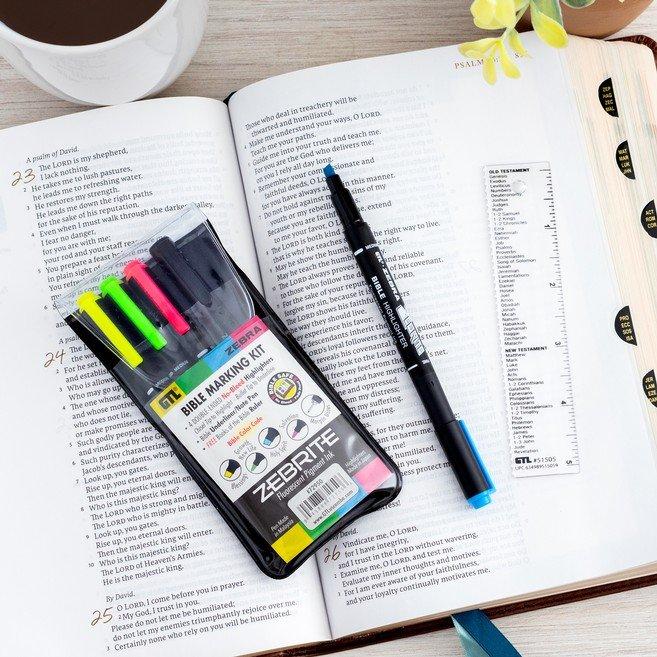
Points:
549	8
578	4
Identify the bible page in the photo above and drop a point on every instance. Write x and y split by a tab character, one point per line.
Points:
109	546
411	135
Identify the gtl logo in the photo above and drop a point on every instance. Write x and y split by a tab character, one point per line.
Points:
164	402
169	399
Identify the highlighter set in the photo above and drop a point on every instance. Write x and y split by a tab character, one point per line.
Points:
263	434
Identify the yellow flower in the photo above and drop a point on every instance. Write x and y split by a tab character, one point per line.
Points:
494	14
516	44
507	64
477	49
488	50
548	29
490	73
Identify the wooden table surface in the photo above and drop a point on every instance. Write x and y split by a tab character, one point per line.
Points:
247	40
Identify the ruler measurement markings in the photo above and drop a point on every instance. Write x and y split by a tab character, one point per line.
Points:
536	360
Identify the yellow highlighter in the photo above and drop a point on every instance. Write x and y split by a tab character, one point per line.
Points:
88	303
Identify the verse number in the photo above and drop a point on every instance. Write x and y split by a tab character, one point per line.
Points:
24	177
101	616
331	555
52	357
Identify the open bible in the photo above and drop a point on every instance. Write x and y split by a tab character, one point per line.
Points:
110	547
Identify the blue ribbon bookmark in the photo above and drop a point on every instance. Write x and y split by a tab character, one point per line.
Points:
479	637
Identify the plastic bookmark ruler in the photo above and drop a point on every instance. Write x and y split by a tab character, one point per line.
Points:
532	321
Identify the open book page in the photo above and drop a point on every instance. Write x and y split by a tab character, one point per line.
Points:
616	94
410	135
107	540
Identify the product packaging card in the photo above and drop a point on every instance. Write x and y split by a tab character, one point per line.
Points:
207	361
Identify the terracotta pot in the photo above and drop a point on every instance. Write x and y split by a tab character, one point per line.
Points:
600	19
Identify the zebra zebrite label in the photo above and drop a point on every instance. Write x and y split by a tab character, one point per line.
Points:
532	319
270	438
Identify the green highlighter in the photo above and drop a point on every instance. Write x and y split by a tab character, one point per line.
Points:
112	288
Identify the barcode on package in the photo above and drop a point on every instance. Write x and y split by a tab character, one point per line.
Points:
323	495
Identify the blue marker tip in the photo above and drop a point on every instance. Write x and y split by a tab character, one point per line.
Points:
329	170
479	500
483	498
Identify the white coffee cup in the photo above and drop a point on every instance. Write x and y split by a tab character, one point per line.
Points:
137	64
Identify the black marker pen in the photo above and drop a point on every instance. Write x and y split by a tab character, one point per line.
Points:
452	433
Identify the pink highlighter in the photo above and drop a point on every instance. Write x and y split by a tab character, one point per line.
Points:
138	271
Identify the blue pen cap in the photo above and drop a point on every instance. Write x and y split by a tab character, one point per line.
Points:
483	498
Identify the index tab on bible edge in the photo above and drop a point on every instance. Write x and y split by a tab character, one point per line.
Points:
532	321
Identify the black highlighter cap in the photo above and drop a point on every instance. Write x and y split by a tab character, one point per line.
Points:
167	284
357	232
165	252
198	247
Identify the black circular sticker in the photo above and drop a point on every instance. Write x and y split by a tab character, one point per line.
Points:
284	388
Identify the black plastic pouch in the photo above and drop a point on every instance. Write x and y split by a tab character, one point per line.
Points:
208	362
